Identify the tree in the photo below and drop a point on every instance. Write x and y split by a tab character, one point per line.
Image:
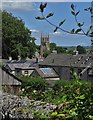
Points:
46	53
81	49
70	51
32	48
52	46
60	49
15	37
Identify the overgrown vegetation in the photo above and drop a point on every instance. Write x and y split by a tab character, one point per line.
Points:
74	98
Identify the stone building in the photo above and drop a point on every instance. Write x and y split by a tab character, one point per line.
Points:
45	45
61	63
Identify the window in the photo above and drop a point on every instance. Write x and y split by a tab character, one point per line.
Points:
26	72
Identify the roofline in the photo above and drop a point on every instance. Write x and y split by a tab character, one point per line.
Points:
62	66
12	75
29	68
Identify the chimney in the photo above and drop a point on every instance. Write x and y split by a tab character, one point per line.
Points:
19	57
36	60
10	58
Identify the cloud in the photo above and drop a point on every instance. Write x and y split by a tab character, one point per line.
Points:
56	33
24	6
35	31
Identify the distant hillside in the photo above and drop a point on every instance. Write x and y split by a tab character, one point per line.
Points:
74	47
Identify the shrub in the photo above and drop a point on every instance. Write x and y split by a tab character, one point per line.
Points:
60	84
79	96
34	83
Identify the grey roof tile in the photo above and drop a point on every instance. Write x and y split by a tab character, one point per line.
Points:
81	60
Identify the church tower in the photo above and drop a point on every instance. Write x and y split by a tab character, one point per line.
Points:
45	45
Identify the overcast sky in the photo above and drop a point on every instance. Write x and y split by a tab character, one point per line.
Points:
62	10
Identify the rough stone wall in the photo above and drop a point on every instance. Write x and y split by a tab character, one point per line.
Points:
21	107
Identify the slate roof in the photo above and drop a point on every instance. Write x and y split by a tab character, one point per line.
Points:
81	60
20	64
47	73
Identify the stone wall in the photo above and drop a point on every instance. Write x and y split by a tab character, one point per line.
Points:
18	107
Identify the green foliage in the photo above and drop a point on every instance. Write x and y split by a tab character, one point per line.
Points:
61	23
33	83
72	6
32	48
72	31
78	30
69	51
16	37
40	18
80	24
55	29
60	49
59	85
74	99
81	49
52	46
77	99
42	6
49	15
46	53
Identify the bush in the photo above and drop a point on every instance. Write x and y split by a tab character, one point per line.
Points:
34	83
78	95
74	98
60	84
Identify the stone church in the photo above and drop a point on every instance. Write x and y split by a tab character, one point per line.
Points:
45	45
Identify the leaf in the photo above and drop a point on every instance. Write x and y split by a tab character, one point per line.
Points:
80	25
73	13
49	15
72	31
42	6
73	114
72	6
91	34
78	30
55	29
86	9
80	97
89	29
90	26
54	114
91	117
61	22
77	13
91	10
43	116
40	18
61	115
